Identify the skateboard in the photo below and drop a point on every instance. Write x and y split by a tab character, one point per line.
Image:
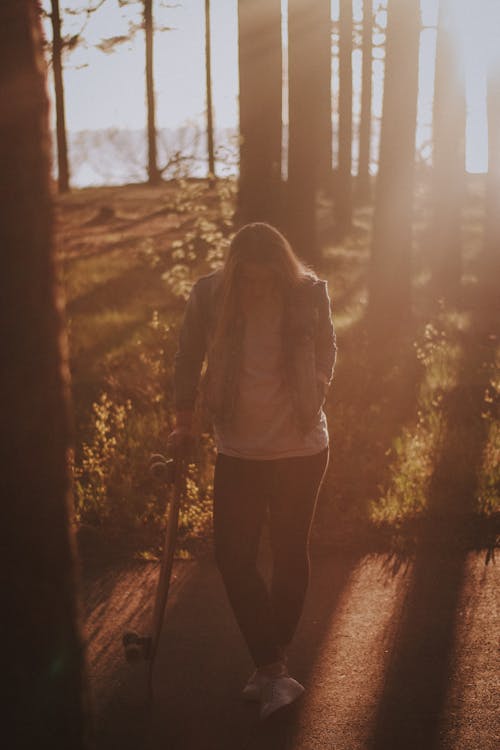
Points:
169	475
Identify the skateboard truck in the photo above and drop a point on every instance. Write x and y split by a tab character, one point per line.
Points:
162	469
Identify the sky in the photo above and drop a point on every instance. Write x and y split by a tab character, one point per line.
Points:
108	91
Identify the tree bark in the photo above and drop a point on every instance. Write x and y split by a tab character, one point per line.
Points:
363	183
208	73
392	230
42	660
323	53
62	145
343	192
448	157
260	104
305	77
491	265
154	175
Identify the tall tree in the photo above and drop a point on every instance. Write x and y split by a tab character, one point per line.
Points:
343	190
492	228
363	187
62	145
208	73
154	174
392	227
42	657
260	103
108	45
308	103
323	59
448	155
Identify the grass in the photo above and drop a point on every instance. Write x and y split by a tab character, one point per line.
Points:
402	417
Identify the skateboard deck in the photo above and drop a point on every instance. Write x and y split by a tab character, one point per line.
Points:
146	646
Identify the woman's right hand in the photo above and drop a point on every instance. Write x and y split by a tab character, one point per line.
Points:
180	442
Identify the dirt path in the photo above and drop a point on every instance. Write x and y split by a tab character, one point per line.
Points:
391	658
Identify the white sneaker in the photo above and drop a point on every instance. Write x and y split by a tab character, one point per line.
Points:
254	687
279	692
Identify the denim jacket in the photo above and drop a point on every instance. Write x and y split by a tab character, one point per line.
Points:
309	346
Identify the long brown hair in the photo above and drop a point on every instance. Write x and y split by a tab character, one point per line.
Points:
257	242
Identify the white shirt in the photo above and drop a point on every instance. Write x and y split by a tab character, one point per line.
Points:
263	425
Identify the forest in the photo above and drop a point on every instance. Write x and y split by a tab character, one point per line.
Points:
383	198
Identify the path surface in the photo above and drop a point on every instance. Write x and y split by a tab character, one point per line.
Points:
392	657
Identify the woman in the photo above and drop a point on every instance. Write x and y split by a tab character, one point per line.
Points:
264	321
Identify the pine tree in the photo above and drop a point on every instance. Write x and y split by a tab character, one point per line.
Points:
363	183
390	270
323	58
208	74
62	145
154	175
343	190
491	268
448	156
260	102
307	96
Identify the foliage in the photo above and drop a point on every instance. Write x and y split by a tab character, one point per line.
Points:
131	409
129	422
414	451
488	493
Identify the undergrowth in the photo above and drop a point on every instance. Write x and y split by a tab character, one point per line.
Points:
132	414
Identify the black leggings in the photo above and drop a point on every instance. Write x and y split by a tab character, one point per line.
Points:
244	491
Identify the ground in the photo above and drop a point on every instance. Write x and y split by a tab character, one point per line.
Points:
392	656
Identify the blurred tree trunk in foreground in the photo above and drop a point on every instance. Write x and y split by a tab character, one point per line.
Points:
42	664
260	100
343	183
154	175
492	229
390	267
208	74
448	156
363	187
62	145
306	106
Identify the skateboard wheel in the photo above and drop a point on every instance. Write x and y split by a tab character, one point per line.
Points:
131	637
162	470
134	653
136	646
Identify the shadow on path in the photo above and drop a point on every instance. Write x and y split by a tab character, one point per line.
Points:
202	666
410	712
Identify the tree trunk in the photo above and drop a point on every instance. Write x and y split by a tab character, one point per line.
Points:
363	183
448	156
208	72
343	191
305	79
323	53
42	667
62	145
491	269
260	102
392	230
154	175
